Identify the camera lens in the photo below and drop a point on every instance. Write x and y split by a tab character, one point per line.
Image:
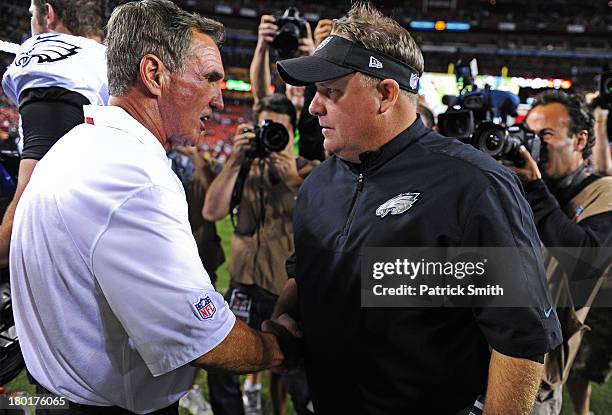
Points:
274	137
286	41
492	142
491	138
607	85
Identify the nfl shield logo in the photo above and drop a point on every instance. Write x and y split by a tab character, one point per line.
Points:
205	308
414	81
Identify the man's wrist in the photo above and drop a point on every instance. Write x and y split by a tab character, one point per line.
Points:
232	163
273	355
533	185
262	46
294	183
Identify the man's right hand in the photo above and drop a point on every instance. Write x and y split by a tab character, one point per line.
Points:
289	338
241	143
266	31
289	324
322	30
243	350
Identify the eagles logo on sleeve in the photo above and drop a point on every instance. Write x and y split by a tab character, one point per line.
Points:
397	205
47	49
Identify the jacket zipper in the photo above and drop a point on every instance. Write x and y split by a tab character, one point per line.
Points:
360	180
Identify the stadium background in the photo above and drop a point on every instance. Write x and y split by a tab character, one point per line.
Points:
521	46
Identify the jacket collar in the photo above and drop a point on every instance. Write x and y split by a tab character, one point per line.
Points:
372	159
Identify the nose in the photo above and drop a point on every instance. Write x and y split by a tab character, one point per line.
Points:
217	101
316	107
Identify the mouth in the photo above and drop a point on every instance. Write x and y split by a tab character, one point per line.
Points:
203	120
326	130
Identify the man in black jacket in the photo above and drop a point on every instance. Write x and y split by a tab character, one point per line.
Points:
394	183
572	209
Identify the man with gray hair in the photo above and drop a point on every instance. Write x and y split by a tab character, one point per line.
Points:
392	182
112	305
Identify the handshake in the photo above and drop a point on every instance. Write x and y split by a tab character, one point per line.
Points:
289	338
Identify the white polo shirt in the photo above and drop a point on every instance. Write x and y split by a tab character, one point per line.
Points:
110	297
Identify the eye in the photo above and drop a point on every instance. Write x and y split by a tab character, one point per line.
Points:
213	77
544	133
333	93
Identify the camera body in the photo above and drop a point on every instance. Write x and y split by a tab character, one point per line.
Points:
471	121
270	137
503	143
605	88
291	27
477	116
467	110
604	99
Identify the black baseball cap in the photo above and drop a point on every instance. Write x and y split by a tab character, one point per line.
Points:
336	57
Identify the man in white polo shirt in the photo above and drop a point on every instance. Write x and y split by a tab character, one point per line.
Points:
113	308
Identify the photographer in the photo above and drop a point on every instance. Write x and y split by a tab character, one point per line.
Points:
571	208
263	238
260	65
308	132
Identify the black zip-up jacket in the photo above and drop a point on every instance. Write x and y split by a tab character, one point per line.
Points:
410	360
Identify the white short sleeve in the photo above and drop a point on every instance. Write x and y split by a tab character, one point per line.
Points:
148	267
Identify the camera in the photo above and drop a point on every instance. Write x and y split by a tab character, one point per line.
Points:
604	99
270	137
477	116
291	27
504	143
469	109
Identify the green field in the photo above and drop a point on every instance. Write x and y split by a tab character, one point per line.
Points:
601	402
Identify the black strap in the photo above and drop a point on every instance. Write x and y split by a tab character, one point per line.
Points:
238	187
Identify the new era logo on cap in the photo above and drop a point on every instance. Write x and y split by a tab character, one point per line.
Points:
375	63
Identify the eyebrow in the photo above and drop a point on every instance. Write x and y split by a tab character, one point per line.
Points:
327	84
546	130
214	76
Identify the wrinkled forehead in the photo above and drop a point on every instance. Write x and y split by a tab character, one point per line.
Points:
553	115
205	51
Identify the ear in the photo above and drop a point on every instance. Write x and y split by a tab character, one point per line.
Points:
153	74
389	91
50	17
581	140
